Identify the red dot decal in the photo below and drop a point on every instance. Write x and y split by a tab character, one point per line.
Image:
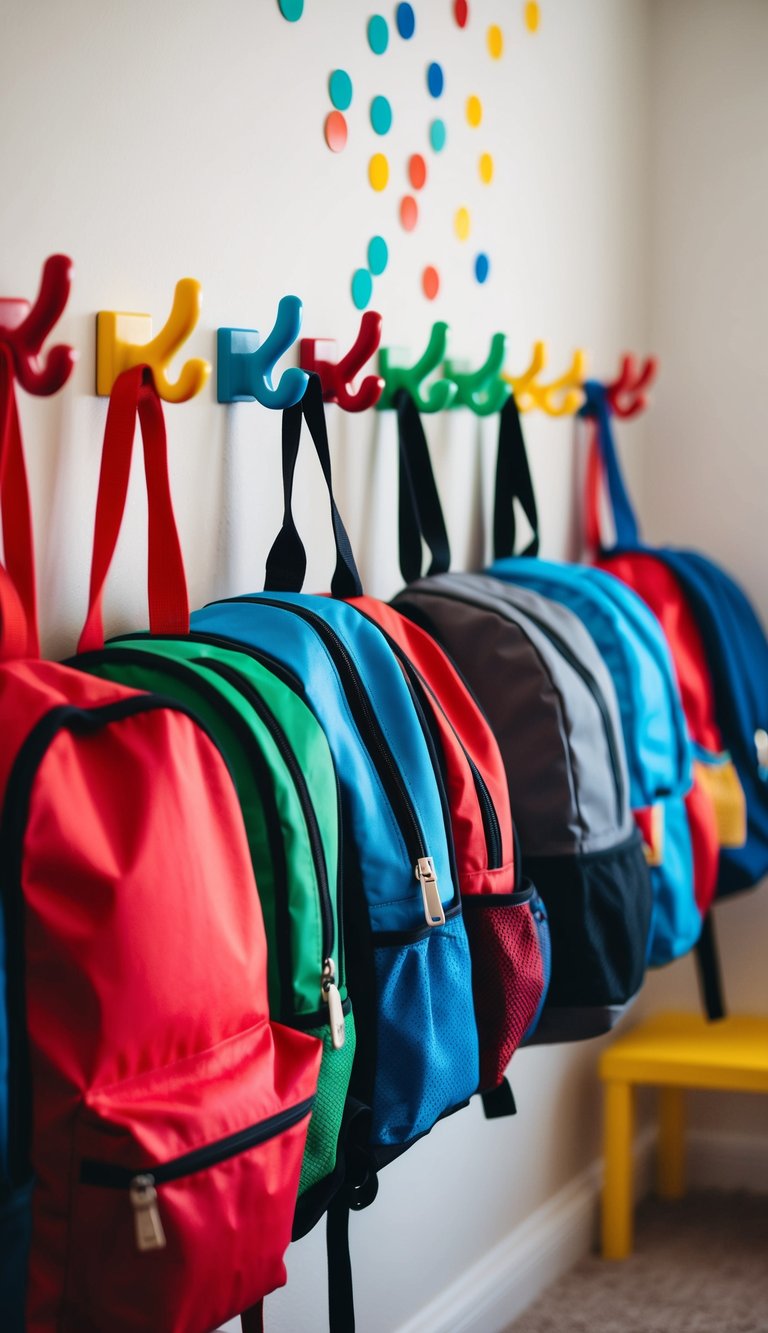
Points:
430	281
461	12
417	171
336	132
409	212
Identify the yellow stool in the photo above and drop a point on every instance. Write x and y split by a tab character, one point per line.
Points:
671	1052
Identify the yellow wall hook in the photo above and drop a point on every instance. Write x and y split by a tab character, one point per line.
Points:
562	397
125	340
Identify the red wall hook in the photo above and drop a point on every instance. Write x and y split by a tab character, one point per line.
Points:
337	377
628	394
24	328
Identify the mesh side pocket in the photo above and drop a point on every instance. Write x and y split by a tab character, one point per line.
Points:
426	1041
507	975
324	1127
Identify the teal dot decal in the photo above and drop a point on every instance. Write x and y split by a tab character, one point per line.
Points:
340	88
435	79
292	10
378	255
381	115
482	268
378	34
437	135
406	21
362	288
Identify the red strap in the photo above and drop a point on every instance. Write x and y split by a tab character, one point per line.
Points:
134	395
593	483
18	599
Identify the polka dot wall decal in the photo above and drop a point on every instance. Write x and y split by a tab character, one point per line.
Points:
437	135
485	167
417	171
482	268
474	111
336	132
435	79
378	171
430	282
462	223
292	10
495	40
378	34
461	12
406	21
340	89
378	255
532	16
381	115
362	288
409	212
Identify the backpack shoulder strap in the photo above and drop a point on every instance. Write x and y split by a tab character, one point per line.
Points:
513	484
420	513
597	410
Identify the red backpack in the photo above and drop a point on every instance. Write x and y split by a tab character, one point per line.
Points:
159	1112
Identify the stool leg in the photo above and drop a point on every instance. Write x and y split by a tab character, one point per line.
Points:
670	1162
619	1110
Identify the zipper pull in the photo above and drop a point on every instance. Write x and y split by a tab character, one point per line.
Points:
146	1214
333	1000
433	908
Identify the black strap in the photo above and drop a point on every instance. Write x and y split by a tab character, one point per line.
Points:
499	1102
420	512
287	560
252	1320
341	1296
513	483
708	966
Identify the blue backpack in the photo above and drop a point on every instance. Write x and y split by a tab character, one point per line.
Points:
631	641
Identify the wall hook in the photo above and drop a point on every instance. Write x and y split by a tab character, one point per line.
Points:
434	398
124	340
24	328
560	398
521	383
246	364
316	355
627	395
484	391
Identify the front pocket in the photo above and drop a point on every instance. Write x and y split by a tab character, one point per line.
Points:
508	975
184	1186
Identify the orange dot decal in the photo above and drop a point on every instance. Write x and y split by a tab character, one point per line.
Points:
378	171
485	167
409	212
532	16
336	132
417	171
495	39
430	282
474	111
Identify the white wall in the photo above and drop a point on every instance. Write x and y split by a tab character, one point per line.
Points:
705	465
151	141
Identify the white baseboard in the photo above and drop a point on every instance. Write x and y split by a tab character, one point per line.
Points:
487	1297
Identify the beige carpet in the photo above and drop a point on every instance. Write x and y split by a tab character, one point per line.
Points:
699	1266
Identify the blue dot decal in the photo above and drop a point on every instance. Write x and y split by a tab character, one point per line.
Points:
378	34
482	268
437	135
340	88
362	288
378	255
381	115
435	79
406	21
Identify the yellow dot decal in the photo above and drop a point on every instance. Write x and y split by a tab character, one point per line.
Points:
378	171
495	39
474	111
485	166
532	15
462	223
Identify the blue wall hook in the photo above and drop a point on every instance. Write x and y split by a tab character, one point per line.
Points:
245	364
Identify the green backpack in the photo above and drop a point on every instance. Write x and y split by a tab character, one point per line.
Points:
286	781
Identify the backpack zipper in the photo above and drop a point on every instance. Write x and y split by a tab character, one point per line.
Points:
377	745
141	1184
